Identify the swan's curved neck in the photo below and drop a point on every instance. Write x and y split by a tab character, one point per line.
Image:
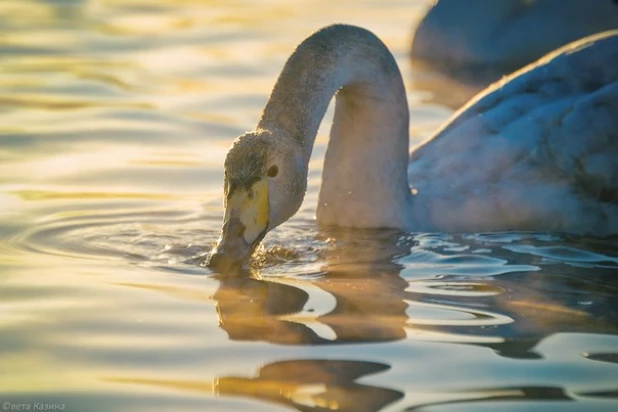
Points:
364	181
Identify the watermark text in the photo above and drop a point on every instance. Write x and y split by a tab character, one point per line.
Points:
32	406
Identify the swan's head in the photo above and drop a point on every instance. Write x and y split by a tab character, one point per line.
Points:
264	185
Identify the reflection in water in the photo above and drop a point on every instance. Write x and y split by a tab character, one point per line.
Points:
370	301
306	385
312	385
364	300
368	298
265	310
500	395
252	309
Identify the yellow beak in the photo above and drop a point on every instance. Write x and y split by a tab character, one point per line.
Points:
244	225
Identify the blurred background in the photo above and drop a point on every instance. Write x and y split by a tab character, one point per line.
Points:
144	97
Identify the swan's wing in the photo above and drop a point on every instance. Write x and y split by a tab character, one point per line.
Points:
545	137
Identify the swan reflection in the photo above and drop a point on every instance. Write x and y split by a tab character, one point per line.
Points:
359	297
471	293
303	384
370	290
312	385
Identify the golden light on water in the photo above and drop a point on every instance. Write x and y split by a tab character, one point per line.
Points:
115	119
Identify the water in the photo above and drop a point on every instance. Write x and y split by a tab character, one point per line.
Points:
114	119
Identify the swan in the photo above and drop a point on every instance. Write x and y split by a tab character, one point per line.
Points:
505	35
536	151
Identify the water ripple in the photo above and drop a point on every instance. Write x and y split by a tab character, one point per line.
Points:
166	238
115	119
568	255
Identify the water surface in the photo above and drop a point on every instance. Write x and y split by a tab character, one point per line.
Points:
114	120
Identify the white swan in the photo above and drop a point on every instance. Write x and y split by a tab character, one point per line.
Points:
536	152
505	35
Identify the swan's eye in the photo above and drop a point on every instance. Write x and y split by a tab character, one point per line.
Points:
272	171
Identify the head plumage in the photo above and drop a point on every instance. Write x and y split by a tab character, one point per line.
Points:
247	160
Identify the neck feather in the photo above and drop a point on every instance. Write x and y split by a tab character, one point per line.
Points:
364	181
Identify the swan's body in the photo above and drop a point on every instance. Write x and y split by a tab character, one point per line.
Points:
503	35
537	152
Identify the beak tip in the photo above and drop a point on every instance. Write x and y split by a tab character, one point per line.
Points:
222	263
232	250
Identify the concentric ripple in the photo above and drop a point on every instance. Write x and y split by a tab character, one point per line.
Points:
161	237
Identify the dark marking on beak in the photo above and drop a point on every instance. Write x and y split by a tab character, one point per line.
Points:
232	250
